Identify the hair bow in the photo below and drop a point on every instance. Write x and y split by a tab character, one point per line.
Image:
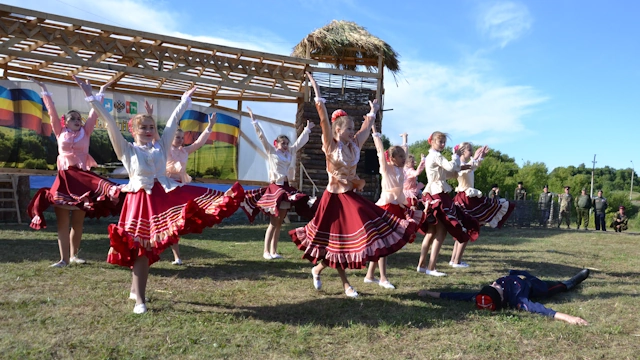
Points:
429	139
275	143
456	148
63	121
130	126
386	156
336	114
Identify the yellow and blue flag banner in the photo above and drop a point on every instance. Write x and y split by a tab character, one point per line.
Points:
24	108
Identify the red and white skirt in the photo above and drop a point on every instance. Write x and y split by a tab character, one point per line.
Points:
349	230
76	189
149	223
417	216
494	212
459	225
272	198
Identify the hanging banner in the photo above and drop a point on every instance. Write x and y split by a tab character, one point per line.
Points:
28	142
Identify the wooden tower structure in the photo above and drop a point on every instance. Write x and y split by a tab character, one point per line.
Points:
350	73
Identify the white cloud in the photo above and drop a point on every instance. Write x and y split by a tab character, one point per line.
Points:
505	22
466	102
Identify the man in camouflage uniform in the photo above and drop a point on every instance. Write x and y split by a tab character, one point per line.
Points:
583	204
620	221
520	193
565	200
495	192
545	201
599	205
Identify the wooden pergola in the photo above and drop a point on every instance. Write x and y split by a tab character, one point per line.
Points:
53	48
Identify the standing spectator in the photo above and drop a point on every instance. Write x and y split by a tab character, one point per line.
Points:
620	221
565	200
495	192
520	193
583	204
600	206
544	205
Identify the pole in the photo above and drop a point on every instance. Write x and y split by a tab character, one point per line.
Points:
593	169
632	171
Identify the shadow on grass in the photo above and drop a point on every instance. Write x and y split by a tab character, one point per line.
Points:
343	312
235	270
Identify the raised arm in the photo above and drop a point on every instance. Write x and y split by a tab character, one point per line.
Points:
117	140
90	124
325	124
202	139
172	124
369	119
421	165
51	107
268	148
405	145
377	141
303	139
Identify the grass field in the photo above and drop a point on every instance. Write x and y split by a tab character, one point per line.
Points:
227	302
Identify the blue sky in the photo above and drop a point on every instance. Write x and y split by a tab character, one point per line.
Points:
543	81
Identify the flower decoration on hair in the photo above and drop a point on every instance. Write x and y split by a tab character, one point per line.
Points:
63	121
386	156
130	126
275	143
338	113
429	139
456	148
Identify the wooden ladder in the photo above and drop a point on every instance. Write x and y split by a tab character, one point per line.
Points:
10	204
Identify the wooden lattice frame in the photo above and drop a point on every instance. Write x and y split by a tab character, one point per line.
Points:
53	48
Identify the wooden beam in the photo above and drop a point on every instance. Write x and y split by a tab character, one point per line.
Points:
333	71
157	37
155	73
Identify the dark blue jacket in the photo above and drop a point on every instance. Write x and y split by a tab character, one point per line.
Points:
517	293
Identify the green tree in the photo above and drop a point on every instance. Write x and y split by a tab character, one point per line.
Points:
533	176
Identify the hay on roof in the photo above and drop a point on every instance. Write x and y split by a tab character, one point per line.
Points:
350	45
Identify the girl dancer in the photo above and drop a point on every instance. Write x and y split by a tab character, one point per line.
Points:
448	218
486	210
411	184
347	230
177	159
156	209
277	198
392	198
75	188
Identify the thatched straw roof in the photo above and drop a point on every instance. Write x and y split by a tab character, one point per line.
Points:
347	45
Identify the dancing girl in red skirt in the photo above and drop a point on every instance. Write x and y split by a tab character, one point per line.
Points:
156	208
75	189
347	229
392	199
448	217
177	159
276	199
491	211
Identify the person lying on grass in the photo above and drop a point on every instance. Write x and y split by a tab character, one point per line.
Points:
515	291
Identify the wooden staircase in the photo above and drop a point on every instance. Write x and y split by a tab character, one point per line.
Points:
9	195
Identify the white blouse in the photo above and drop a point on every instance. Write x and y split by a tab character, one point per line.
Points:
466	179
282	164
147	163
392	178
438	170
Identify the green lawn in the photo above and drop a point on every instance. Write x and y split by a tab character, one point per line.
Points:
227	302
